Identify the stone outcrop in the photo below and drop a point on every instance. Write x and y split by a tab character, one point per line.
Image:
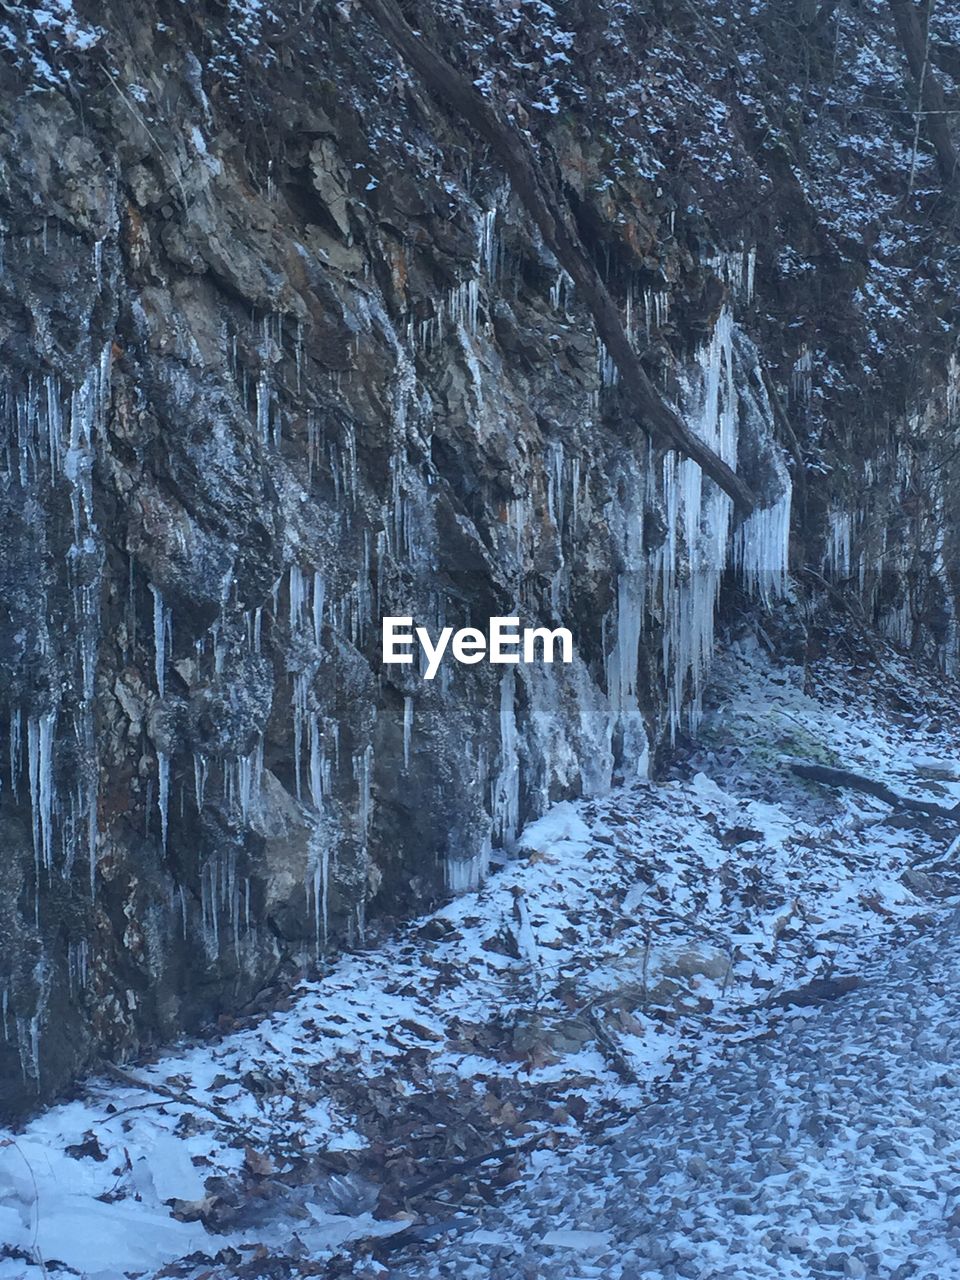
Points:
283	352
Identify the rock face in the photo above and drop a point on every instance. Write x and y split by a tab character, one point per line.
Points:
283	354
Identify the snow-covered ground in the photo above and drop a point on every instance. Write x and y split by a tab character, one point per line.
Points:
828	1149
701	1027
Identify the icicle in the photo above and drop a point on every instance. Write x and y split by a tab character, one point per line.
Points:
506	795
462	875
77	966
751	271
363	772
163	794
263	408
559	291
316	769
607	370
41	734
312	445
318	597
33	781
463	306
488	242
762	548
92	837
736	268
16	750
690	561
656	309
297	598
350	477
41	740
325	901
299	714
219	646
318	886
159	638
199	778
837	558
407	729
623	659
802	377
555	495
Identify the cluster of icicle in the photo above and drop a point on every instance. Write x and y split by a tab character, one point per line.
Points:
674	587
49	438
49	443
877	549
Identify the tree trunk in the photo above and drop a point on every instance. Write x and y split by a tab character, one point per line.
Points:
559	233
913	37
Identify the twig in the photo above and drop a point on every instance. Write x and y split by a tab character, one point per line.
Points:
34	1246
138	116
451	1170
917	115
786	427
846	604
621	1063
175	1095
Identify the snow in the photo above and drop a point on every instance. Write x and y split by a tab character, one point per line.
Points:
562	825
666	916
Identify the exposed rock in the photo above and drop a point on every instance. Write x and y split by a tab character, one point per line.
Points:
284	353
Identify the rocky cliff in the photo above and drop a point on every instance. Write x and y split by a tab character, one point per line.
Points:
284	352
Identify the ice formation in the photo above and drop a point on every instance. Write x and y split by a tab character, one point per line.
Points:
761	549
837	559
677	585
736	268
50	440
407	729
505	802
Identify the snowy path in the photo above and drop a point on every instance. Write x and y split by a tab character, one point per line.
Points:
832	1148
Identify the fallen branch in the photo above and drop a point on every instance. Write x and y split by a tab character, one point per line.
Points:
175	1095
455	1167
849	603
869	786
816	991
526	176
